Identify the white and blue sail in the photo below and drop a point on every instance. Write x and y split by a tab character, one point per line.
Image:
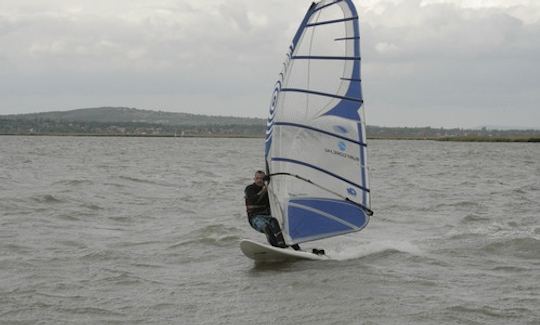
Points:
315	146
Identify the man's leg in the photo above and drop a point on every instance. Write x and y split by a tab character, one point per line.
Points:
267	225
258	223
271	237
276	229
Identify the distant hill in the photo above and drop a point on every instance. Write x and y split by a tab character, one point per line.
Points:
133	115
124	121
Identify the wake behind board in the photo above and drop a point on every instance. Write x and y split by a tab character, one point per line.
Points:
266	253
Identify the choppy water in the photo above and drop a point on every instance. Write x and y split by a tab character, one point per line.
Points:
144	230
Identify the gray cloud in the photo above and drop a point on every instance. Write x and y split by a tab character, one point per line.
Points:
424	63
451	67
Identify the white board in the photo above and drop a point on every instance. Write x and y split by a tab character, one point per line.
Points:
266	253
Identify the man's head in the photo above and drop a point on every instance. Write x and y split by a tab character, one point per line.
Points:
259	178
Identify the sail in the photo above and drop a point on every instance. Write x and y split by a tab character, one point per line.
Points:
315	146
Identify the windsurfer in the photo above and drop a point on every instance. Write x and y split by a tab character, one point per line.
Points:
258	211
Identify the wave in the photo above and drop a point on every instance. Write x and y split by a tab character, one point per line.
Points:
121	218
115	185
212	235
225	240
92	311
72	243
385	253
509	268
461	204
73	182
525	247
127	278
68	217
210	241
464	236
474	218
91	206
375	250
528	188
138	180
138	243
47	198
17	249
102	255
514	313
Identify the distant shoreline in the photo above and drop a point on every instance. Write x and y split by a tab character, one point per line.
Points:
232	136
132	122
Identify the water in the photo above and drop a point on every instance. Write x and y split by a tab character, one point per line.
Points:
146	230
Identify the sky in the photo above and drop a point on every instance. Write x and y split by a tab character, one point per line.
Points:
439	63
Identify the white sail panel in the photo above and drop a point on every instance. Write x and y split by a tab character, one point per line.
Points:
315	144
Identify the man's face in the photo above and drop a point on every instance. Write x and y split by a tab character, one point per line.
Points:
259	179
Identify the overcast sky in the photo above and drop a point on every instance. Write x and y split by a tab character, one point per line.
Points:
449	63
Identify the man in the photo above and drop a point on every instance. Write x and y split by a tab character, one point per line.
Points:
258	211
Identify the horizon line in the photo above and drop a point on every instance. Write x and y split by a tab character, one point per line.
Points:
487	127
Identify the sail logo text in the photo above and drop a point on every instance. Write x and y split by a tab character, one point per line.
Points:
340	153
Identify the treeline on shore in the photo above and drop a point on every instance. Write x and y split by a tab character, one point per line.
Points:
60	127
40	126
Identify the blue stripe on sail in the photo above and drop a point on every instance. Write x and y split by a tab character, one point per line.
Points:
351	79
267	145
346	38
322	94
327	5
300	30
363	173
313	218
331	21
319	130
347	109
346	211
322	57
303	163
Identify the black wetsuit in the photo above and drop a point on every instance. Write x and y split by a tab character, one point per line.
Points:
256	201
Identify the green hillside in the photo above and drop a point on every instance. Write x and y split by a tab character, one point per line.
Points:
133	115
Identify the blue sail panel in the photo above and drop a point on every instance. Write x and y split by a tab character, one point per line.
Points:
316	218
